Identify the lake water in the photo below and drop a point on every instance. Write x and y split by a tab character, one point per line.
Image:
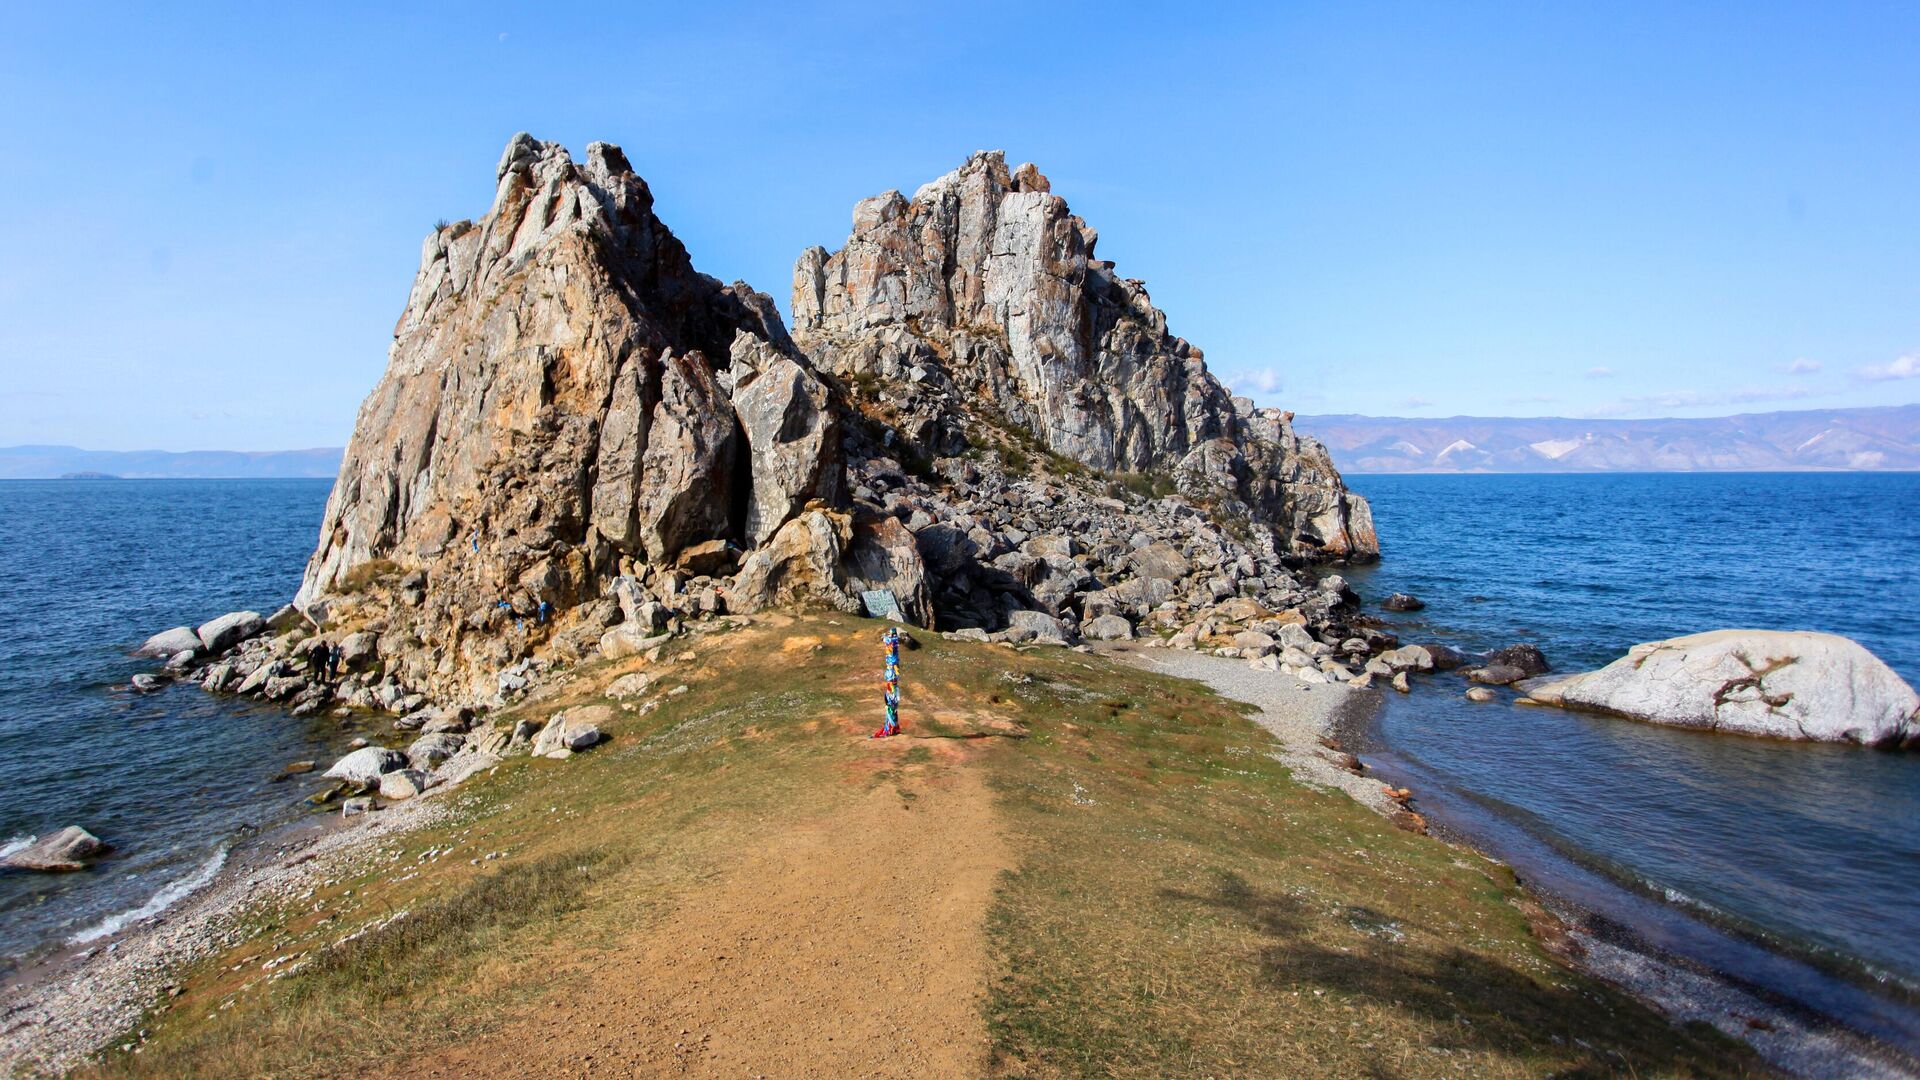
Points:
88	569
1811	851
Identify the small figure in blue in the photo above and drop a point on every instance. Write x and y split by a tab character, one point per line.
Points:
546	612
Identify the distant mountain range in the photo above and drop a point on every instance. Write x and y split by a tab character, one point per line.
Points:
1883	439
1852	439
50	462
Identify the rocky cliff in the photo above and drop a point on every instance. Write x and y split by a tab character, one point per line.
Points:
981	298
566	401
581	442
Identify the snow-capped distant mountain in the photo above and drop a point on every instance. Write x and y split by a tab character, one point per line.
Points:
1885	438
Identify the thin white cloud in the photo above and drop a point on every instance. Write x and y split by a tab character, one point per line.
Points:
1905	367
1254	381
1600	373
1804	366
1416	402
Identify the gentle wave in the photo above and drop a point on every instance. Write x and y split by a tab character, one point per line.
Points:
160	901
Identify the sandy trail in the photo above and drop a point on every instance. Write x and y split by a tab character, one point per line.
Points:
849	945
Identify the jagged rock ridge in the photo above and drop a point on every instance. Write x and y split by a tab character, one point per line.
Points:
581	441
558	408
983	294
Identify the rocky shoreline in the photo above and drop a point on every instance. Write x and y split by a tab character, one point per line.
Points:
1323	728
60	1011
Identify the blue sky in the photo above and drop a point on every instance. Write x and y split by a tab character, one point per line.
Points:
211	214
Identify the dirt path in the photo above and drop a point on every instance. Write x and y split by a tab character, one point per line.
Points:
850	945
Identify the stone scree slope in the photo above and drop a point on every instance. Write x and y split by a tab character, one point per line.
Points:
573	416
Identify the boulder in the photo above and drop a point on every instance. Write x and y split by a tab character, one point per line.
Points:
1403	602
358	649
146	683
627	686
1253	643
574	730
1107	628
885	556
1496	675
223	633
793	437
169	642
68	849
461	766
1480	694
709	558
799	568
627	639
1159	561
1527	658
1404	658
1784	684
428	751
402	784
367	765
1036	626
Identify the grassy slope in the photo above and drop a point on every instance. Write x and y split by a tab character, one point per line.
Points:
1180	907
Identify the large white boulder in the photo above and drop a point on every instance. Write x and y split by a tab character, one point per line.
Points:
223	633
169	642
367	765
1783	684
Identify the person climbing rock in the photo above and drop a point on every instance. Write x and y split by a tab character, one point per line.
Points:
334	656
317	657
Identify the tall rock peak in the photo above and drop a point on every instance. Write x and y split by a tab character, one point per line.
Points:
986	284
558	408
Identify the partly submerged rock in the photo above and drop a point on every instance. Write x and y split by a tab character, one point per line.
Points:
170	642
219	635
69	849
1527	658
1785	684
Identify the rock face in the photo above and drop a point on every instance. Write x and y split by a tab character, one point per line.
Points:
982	294
1788	685
557	404
583	444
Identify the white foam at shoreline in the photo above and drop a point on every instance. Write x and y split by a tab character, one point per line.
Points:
15	843
160	901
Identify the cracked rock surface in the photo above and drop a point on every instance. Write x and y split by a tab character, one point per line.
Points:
1783	684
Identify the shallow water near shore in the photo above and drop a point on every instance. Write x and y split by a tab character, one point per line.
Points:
89	569
1795	866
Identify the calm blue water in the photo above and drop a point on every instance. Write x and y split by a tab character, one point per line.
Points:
1810	849
88	569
